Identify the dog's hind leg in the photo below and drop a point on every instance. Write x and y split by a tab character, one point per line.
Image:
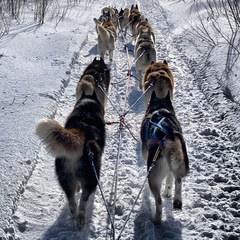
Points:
111	55
155	179
155	185
68	183
168	187
80	220
102	50
177	201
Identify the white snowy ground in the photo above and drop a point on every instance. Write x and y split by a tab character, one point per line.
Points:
39	70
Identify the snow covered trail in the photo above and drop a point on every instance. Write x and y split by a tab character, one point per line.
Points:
210	192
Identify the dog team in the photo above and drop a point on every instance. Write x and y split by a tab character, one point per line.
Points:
79	145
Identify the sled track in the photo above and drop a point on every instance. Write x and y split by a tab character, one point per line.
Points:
210	191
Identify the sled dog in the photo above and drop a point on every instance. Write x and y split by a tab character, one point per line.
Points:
145	52
164	149
112	13
106	37
144	26
134	18
98	73
123	20
158	77
79	142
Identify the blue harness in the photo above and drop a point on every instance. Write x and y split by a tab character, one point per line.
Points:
155	131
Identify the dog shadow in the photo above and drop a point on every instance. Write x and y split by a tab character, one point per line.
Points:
144	227
127	48
64	226
92	51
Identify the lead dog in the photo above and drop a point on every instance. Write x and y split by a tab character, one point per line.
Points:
158	77
134	18
79	142
107	37
164	149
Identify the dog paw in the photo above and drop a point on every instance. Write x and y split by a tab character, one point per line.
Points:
73	211
167	194
157	221
80	222
177	204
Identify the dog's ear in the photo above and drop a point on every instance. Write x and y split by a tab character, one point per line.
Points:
153	96
136	6
94	96
132	7
152	62
83	95
168	97
146	19
165	62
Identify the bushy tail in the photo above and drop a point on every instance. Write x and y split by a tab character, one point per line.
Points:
60	142
103	33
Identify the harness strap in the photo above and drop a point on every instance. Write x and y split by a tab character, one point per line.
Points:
91	158
156	128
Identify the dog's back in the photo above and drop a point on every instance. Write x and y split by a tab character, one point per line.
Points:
145	54
158	77
134	18
124	20
144	26
107	36
112	13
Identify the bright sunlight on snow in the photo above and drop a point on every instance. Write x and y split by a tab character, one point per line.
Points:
41	61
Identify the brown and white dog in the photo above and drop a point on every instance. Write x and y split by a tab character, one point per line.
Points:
145	52
143	26
83	134
123	21
164	150
112	13
158	77
107	37
134	18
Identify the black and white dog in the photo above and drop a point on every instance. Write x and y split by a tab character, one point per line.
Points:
81	141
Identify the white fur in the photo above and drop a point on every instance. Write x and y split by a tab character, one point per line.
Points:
47	129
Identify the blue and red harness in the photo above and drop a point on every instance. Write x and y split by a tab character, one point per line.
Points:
155	129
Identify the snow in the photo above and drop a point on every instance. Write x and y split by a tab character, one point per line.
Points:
39	70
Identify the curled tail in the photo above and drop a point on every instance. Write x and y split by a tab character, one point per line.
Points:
59	141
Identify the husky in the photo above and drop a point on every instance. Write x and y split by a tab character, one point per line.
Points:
164	150
134	18
107	37
123	21
112	13
98	73
158	77
144	26
79	143
145	52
